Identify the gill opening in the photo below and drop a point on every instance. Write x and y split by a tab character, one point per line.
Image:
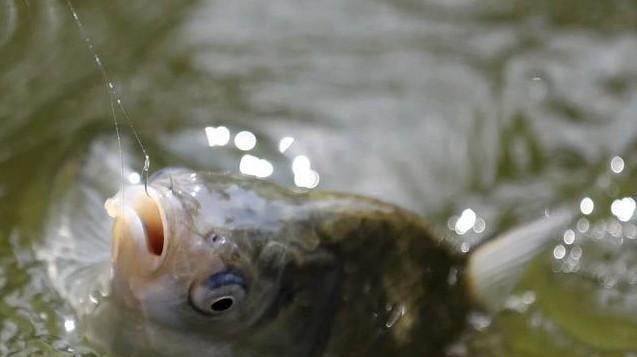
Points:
114	99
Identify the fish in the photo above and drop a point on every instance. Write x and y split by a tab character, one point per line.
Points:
202	263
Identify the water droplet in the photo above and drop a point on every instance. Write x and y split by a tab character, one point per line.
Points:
219	136
134	178
301	163
69	325
587	205
559	251
306	179
245	140
569	237
466	221
285	143
254	166
304	176
623	208
617	164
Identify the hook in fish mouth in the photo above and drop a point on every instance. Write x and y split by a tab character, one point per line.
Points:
139	226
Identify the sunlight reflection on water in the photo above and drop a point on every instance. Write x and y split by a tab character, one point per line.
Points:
303	175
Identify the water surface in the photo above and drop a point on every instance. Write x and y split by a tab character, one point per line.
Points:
479	116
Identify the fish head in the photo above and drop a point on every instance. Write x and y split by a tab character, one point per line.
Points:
218	256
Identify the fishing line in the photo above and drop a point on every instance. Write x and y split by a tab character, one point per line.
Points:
113	98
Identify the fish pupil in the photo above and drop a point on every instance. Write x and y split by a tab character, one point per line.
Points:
222	304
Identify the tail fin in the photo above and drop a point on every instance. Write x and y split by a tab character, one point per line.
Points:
495	267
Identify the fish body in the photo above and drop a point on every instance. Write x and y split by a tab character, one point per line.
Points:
202	263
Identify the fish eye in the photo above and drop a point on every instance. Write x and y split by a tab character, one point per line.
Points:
222	304
220	293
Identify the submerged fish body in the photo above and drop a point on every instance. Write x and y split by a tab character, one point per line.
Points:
202	263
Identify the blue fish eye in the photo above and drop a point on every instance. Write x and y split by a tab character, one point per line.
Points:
220	293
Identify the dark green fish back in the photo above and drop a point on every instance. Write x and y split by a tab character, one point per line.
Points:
402	292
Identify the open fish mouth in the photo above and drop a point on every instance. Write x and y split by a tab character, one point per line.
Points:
139	229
